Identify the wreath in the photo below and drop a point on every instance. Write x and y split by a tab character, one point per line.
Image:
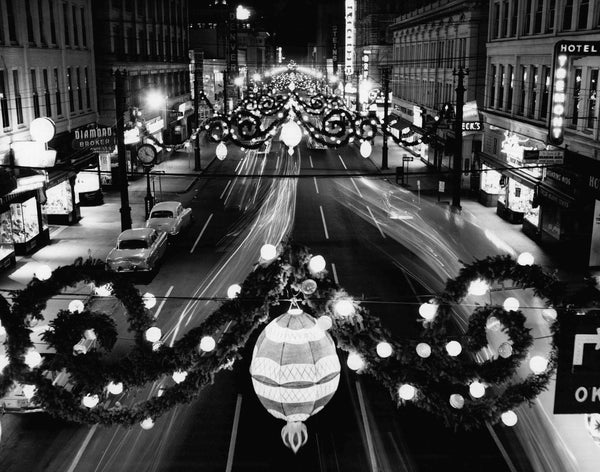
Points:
422	371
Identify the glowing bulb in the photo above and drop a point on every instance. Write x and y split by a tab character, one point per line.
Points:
291	134
90	401
344	307
525	259
365	149
477	389
3	362
221	151
493	324
268	252
324	322
453	348
104	290
384	349
354	361
428	310
561	73
538	364
76	306
511	304
115	388
153	334
146	424
549	315
29	391
179	376
33	358
233	291
562	60
149	300
509	418
316	264
90	335
457	401
207	343
407	392
43	272
478	287
423	350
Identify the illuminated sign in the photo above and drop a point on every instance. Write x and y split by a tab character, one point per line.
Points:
562	51
349	56
32	154
513	147
334	45
472	126
97	138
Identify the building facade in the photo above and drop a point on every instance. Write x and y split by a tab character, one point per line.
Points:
556	205
148	41
429	45
46	70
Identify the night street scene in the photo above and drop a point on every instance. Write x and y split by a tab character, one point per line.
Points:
311	235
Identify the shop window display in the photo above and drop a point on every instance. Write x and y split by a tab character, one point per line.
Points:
59	200
6	242
518	197
24	221
490	180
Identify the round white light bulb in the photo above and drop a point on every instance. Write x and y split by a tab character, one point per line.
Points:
291	134
43	272
354	361
428	310
538	364
384	349
104	290
478	287
153	334
511	304
149	300
365	149
179	376
549	315
207	343
76	306
407	392
344	307
509	418
423	350
477	389
453	348
316	264
457	401
324	322
146	424
268	252
32	358
115	388
233	290
221	151
90	401
525	259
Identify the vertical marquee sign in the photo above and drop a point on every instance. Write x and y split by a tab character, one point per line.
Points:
349	55
564	51
232	46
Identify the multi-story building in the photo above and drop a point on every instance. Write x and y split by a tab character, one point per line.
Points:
148	41
430	44
46	70
556	205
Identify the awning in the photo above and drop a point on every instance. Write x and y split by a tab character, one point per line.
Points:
552	194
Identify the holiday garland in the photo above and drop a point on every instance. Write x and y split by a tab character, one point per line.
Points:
435	378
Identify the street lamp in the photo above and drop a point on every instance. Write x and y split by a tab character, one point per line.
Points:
242	13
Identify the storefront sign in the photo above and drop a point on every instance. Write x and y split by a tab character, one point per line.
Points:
513	147
544	157
132	136
96	138
334	46
349	55
589	48
548	195
578	374
155	126
562	178
472	126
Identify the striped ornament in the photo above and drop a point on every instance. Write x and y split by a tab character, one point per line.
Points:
295	371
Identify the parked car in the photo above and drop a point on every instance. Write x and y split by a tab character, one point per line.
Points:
138	250
170	217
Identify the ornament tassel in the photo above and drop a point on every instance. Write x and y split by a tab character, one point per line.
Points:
294	435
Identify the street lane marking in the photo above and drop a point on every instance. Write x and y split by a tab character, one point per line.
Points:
234	430
324	224
201	233
164	300
343	163
316	186
82	448
335	277
363	413
356	187
375	221
310	160
225	190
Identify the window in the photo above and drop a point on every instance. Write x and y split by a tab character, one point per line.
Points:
79	93
584	10
66	20
493	77
550	16
75	28
18	100
511	84
131	42
117	40
29	17
533	96
527	21
47	93
52	23
501	87
57	93
504	23
591	113
523	86
83	29
141	5
128	5
567	15
10	13
87	87
545	92
576	96
538	27
70	90
34	94
4	102
515	18
496	20
43	33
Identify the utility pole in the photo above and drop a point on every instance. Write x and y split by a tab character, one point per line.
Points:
121	108
458	138
197	161
385	72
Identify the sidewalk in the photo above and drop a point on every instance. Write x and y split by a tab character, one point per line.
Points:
95	234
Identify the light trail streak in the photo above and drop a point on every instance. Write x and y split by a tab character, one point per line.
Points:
201	233
225	190
324	223
164	300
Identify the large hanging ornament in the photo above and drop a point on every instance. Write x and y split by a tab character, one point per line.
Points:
295	371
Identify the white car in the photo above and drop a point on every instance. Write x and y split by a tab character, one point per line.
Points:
170	217
137	250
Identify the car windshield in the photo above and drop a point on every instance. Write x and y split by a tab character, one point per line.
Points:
133	244
162	214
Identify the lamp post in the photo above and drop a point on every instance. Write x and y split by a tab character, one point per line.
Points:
120	110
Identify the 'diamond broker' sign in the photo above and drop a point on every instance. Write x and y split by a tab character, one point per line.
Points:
95	138
578	374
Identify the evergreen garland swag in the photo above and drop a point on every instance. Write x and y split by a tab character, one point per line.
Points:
435	378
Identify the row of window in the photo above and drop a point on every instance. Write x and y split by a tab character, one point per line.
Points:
525	90
145	43
47	91
41	25
172	83
512	18
165	11
449	53
424	92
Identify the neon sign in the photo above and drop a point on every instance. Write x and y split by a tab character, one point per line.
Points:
349	56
